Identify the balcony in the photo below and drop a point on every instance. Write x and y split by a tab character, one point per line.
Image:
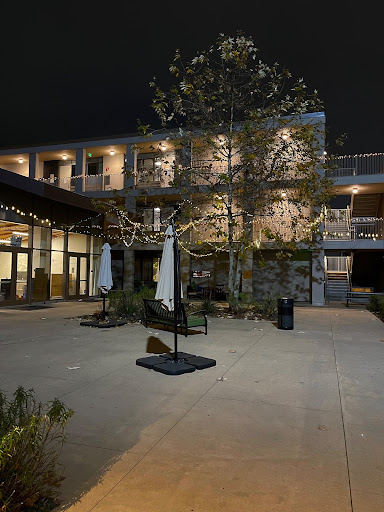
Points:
91	183
339	225
357	165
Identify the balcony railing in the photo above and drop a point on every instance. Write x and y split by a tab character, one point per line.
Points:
99	182
157	178
356	165
339	225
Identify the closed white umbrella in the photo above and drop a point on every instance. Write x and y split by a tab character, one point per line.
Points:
104	281
165	290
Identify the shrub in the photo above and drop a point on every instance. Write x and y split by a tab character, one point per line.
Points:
376	305
129	305
31	436
262	308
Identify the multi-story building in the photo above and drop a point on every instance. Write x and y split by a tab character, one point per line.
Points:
353	230
51	232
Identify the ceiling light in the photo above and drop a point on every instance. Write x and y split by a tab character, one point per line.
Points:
355	190
64	157
163	147
284	136
112	152
283	194
19	233
21	160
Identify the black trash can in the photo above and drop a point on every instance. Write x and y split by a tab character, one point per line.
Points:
285	313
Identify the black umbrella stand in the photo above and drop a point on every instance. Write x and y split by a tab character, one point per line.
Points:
103	323
176	363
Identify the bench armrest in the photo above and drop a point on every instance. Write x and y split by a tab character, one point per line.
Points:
202	312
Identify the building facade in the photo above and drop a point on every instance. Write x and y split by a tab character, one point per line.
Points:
60	256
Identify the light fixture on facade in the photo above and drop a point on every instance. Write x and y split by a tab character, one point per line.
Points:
112	152
64	157
325	153
284	136
163	147
283	194
158	163
355	190
21	160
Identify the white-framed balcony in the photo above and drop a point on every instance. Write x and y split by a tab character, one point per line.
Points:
356	165
340	225
91	183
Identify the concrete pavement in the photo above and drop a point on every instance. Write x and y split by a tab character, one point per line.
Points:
286	420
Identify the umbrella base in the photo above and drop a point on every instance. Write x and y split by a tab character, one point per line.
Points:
180	355
104	325
186	363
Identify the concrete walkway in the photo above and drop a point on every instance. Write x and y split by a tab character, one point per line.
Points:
286	420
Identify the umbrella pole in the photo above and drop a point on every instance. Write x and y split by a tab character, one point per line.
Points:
176	285
103	305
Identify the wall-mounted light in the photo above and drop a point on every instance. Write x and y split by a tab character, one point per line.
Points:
355	190
158	163
112	152
64	157
21	160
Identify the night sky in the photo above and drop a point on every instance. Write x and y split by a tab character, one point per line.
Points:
78	70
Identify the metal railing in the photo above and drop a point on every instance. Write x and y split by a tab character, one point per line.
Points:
339	225
97	182
356	165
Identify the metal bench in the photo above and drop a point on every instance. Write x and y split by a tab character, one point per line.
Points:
350	296
155	312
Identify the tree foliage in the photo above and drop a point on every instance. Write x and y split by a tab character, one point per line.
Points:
251	145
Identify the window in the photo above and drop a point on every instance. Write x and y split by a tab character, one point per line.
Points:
94	166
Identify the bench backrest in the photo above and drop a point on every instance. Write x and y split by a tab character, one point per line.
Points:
154	307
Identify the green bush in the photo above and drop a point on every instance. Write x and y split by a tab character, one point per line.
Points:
376	305
262	308
129	305
31	436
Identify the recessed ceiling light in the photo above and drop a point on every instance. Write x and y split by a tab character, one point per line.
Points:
112	152
355	190
64	157
21	160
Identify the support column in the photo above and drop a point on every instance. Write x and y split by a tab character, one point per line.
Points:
34	163
317	277
129	269
129	178
79	170
185	266
247	282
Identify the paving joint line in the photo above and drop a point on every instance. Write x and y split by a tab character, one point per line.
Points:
342	414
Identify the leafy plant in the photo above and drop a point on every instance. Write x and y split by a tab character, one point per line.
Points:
128	305
376	305
31	436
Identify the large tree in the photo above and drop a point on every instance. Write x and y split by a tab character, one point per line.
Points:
252	150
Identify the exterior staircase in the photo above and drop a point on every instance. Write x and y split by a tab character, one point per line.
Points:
337	277
365	205
337	285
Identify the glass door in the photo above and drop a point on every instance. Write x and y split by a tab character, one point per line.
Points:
78	286
14	272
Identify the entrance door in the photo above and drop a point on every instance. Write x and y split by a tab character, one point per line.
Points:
78	286
14	276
